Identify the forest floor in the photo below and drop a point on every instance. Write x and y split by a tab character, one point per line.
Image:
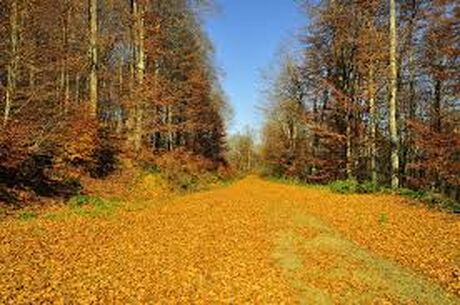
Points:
255	242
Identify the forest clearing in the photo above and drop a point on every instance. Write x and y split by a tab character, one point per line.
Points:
255	241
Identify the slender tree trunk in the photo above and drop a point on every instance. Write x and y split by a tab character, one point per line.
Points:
93	46
67	90
77	88
436	107
393	125
141	43
32	78
169	122
139	38
13	63
120	96
349	131
349	152
66	58
120	79
315	140
372	125
410	149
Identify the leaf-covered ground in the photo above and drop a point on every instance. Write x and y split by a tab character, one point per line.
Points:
255	242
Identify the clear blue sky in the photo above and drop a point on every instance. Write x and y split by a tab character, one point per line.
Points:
246	35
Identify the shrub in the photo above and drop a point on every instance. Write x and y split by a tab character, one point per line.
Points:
184	171
27	215
349	186
352	186
82	200
228	173
104	159
95	206
411	193
431	199
368	187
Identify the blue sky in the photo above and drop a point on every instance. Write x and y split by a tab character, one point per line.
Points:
246	35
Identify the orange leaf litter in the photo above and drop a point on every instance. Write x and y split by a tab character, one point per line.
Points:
219	247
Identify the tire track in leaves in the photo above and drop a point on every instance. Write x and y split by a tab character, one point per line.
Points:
326	268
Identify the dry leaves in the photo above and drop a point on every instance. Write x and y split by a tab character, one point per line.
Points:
215	247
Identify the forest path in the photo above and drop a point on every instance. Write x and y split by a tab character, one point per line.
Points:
253	242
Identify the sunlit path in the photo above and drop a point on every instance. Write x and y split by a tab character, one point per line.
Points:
255	241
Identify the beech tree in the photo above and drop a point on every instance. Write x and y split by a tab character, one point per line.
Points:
393	125
93	51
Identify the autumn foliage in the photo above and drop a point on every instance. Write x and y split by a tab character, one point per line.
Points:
335	111
148	88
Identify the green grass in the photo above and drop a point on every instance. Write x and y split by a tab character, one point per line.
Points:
347	262
383	219
431	199
351	186
87	206
56	216
294	182
84	200
27	215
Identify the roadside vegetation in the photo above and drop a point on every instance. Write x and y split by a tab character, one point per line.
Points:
370	103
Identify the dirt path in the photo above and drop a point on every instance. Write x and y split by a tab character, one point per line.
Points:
254	242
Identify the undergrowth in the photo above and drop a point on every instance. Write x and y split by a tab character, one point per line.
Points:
433	200
87	206
27	215
352	186
186	172
293	181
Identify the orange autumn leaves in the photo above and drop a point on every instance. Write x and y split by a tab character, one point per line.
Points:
221	246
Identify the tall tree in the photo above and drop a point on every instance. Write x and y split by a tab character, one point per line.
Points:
12	69
393	88
94	60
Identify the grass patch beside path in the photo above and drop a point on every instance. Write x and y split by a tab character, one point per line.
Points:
326	268
87	206
350	187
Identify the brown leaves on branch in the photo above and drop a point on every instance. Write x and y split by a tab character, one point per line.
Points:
438	154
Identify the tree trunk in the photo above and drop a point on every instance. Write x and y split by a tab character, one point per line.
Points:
349	152
139	37
119	128
77	88
93	48
13	63
169	118
349	130
32	78
393	125
409	149
66	78
436	107
372	126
